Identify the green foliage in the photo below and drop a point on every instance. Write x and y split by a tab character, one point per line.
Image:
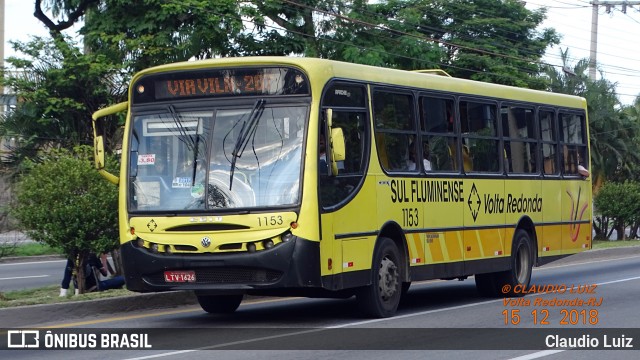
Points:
58	87
613	133
495	40
140	34
64	203
618	203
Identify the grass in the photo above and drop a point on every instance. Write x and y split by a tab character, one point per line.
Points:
605	244
49	295
33	249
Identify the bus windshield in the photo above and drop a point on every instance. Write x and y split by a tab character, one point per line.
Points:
216	158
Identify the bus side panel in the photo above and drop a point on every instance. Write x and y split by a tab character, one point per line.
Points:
550	237
524	197
484	220
576	214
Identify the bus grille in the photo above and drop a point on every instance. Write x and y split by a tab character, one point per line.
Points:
225	276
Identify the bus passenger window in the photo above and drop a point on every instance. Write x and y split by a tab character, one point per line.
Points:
395	131
520	142
573	142
478	126
547	121
438	134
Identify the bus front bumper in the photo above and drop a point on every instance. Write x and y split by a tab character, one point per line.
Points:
292	264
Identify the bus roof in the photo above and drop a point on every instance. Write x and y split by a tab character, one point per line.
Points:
322	70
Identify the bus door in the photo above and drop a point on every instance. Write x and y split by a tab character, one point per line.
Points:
347	202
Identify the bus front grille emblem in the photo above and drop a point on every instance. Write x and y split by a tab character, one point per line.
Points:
474	202
205	242
151	225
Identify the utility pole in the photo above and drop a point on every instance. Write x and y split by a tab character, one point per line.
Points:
594	28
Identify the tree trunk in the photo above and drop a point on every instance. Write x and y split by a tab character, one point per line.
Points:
620	231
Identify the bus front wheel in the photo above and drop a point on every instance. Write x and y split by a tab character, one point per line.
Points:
381	298
219	304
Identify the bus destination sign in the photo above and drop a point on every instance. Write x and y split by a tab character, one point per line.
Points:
222	83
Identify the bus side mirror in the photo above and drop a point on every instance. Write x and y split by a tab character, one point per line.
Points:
98	140
337	149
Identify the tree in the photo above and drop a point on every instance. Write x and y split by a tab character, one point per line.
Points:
612	133
58	87
495	41
618	203
64	203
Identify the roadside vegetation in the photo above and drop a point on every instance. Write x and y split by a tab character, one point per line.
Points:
34	249
606	244
49	295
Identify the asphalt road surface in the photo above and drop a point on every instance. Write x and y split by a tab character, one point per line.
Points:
437	320
30	274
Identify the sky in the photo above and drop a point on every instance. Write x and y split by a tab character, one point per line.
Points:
618	37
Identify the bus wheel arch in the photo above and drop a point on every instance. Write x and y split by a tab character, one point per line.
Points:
393	231
525	223
511	282
380	299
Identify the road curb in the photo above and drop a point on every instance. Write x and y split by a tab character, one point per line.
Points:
24	316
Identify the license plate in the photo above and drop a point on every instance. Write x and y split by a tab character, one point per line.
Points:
180	276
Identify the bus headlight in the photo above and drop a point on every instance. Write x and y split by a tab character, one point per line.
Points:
286	237
251	247
268	244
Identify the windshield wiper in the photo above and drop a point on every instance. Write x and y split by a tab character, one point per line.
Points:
183	134
248	129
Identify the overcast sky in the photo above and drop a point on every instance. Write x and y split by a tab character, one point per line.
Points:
618	36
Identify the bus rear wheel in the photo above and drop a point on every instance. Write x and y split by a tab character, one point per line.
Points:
219	304
512	282
381	298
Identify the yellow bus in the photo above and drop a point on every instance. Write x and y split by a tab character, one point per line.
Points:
307	177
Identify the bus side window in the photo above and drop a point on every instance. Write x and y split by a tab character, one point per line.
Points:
395	131
438	134
520	141
573	142
547	121
479	133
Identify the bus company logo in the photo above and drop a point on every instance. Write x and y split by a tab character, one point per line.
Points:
151	225
474	202
23	339
206	242
577	212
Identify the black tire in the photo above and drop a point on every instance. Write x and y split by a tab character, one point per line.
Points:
522	256
381	298
487	284
510	283
219	304
405	288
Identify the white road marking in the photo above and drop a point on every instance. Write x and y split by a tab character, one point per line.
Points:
33	262
24	277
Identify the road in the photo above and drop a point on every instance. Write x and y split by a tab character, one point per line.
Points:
30	274
438	320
